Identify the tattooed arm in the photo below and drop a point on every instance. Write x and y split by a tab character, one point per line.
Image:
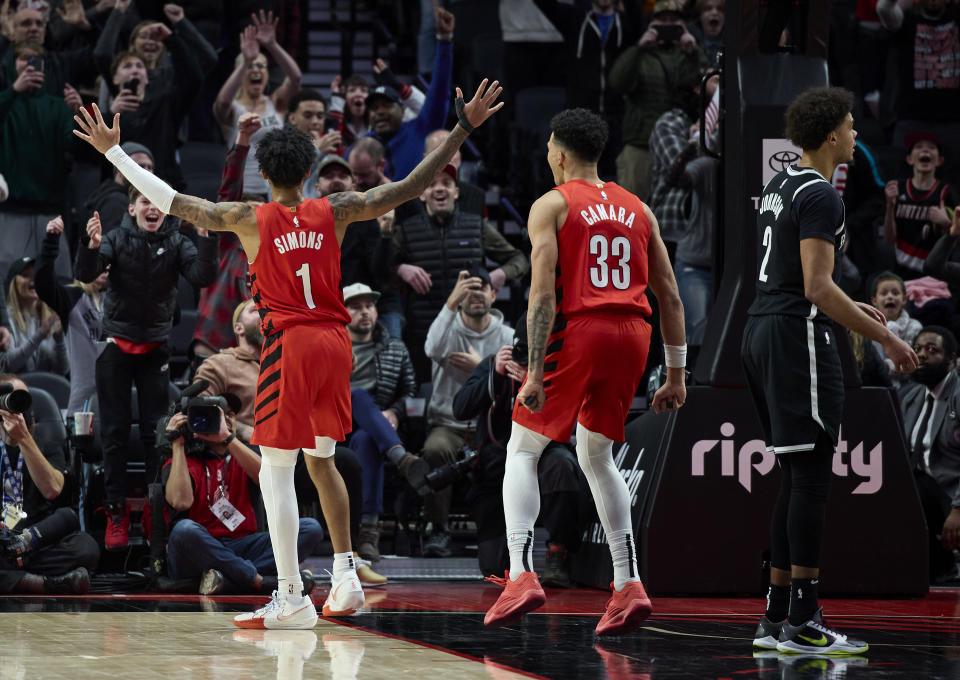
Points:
545	215
240	218
351	206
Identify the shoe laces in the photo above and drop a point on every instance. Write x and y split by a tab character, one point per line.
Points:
269	606
822	626
496	580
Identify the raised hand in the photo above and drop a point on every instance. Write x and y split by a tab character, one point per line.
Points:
29	79
122	5
328	143
100	136
55	226
444	19
173	12
336	87
73	14
72	97
247	126
266	27
248	44
94	231
890	190
125	102
479	108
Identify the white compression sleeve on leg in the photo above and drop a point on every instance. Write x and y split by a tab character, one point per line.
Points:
152	187
283	518
521	495
324	447
610	493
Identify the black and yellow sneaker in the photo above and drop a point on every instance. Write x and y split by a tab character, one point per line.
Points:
768	633
815	637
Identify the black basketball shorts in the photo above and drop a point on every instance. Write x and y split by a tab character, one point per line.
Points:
794	375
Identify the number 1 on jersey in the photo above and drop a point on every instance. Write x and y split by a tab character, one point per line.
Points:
304	274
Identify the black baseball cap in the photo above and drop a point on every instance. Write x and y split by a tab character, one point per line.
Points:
383	92
16	268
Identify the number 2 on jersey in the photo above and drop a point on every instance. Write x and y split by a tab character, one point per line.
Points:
768	244
600	274
304	274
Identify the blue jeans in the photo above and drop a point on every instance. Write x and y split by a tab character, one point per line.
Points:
394	323
372	436
696	289
191	550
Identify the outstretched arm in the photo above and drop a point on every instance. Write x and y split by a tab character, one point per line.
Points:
240	218
351	206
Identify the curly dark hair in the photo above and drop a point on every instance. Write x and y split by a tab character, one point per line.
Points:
580	131
286	156
815	113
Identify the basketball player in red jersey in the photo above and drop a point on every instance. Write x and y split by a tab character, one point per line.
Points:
596	247
303	394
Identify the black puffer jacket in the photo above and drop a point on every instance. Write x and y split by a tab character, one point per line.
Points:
395	377
144	270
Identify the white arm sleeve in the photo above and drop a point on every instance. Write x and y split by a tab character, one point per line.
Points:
155	189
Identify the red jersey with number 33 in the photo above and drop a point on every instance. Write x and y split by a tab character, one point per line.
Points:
602	251
295	277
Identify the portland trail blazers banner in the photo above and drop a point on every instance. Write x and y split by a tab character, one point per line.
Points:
703	486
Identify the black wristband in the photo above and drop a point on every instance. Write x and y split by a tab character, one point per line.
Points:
228	440
461	116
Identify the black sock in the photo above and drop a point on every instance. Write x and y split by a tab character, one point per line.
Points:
803	600
778	603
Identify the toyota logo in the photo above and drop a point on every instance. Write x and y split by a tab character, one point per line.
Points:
781	160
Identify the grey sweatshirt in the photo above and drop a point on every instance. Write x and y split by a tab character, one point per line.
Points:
448	334
32	350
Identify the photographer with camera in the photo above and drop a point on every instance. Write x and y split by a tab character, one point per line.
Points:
207	478
466	330
646	75
489	395
42	549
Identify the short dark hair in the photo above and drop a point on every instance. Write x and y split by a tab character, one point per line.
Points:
885	275
31	46
356	80
949	339
580	131
285	155
121	57
814	114
305	95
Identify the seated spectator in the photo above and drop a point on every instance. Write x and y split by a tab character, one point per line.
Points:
488	396
217	539
404	140
146	262
45	552
110	200
915	216
465	330
235	371
37	343
366	159
431	246
35	138
472	198
80	309
889	294
929	405
381	380
215	322
644	74
707	29
245	90
146	42
939	262
153	118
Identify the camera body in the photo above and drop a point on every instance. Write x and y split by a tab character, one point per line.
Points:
133	85
203	417
445	475
669	33
13	400
35	62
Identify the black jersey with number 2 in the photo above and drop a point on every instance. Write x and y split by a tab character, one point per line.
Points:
797	203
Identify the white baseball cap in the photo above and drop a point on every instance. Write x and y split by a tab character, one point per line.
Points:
358	290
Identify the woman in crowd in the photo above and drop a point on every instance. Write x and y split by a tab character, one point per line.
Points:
37	343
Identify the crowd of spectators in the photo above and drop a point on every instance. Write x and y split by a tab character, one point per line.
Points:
105	291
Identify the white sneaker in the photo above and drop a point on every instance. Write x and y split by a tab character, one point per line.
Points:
346	595
298	614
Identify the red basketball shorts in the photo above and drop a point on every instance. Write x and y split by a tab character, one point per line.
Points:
591	372
304	387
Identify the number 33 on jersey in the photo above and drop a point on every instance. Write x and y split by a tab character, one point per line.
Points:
602	250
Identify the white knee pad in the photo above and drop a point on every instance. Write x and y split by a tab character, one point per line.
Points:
278	457
325	447
591	444
526	440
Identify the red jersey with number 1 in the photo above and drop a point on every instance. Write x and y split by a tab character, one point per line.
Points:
602	256
295	277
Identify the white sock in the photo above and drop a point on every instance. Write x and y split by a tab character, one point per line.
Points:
283	518
343	563
521	495
595	453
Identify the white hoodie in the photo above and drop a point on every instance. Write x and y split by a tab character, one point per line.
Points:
449	334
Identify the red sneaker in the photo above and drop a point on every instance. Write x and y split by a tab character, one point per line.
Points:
117	535
626	610
518	597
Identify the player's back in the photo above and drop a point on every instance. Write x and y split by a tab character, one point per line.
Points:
296	275
602	251
797	203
